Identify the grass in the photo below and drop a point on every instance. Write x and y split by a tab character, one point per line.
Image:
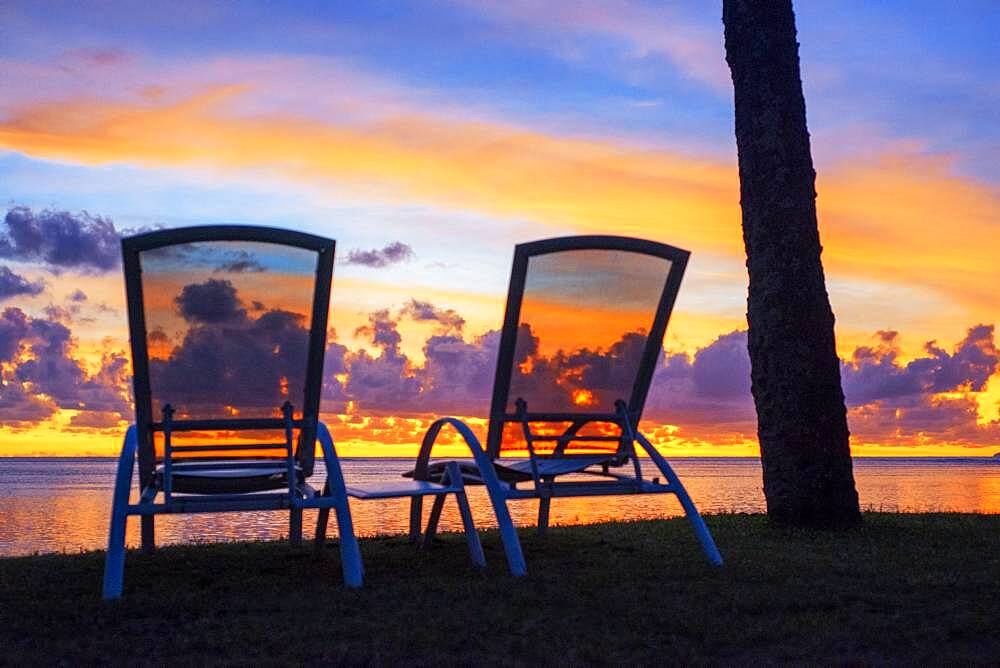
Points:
906	588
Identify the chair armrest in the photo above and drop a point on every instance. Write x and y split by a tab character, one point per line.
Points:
659	460
126	466
482	460
334	474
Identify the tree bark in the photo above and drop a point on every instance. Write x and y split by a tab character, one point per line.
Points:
801	417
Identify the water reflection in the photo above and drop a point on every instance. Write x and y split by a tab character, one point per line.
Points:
583	328
234	315
53	505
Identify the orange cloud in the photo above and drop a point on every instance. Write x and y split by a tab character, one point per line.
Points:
903	219
907	219
499	169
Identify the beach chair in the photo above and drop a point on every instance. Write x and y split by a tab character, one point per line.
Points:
228	332
582	335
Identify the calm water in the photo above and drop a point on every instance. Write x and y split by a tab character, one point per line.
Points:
63	505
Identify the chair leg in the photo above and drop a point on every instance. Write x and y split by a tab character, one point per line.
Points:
148	533
698	524
694	517
511	543
114	562
322	520
295	527
508	534
544	503
350	553
471	535
416	510
432	521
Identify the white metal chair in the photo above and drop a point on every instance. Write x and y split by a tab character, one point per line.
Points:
228	332
582	334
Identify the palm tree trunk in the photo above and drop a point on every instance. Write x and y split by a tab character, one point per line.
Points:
801	417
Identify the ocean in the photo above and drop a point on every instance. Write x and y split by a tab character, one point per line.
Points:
63	504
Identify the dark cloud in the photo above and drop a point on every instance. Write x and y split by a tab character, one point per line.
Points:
59	313
334	376
240	262
926	399
457	375
889	402
874	373
41	374
609	374
60	240
213	301
253	366
922	419
252	358
74	305
384	381
88	420
421	311
14	328
219	258
393	253
576	380
108	391
382	330
158	336
15	285
722	370
229	360
709	392
20	409
52	370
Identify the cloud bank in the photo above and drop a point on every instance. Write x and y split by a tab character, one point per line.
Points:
254	357
15	285
41	374
60	240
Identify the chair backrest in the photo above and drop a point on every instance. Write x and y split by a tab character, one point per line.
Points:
583	330
226	324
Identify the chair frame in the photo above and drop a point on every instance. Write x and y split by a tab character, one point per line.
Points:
138	448
626	417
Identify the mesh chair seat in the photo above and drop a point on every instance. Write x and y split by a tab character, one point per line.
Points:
232	477
519	471
557	465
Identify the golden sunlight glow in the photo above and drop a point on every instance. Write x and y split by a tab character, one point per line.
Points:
902	220
988	401
586	185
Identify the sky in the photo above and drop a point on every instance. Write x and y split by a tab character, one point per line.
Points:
428	138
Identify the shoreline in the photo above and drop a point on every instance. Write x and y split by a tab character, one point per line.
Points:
672	457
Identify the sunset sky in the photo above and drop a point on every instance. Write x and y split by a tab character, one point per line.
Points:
428	138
